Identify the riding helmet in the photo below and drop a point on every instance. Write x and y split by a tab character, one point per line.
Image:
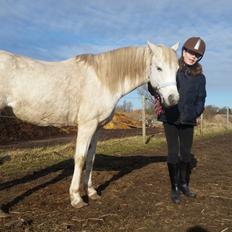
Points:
195	44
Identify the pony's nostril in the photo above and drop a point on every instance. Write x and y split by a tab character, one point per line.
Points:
171	99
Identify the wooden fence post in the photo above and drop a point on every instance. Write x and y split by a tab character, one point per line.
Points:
201	125
143	120
227	118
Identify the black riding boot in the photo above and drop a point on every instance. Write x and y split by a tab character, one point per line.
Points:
185	171
173	170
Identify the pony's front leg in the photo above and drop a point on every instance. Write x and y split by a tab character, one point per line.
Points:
92	193
85	133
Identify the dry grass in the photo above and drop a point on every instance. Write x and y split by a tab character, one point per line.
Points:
24	160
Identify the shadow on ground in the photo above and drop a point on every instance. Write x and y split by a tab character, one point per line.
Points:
123	166
197	229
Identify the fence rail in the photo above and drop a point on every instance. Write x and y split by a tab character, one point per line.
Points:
223	120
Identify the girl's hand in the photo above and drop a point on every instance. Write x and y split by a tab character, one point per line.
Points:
198	121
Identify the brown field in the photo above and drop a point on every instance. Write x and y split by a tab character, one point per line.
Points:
132	180
14	130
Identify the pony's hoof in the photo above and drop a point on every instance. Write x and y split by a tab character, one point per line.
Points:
3	214
79	204
95	196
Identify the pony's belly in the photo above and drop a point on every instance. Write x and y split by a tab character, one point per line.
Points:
44	117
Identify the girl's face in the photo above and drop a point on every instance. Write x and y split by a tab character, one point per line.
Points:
190	57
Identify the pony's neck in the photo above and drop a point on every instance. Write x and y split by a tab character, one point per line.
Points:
123	70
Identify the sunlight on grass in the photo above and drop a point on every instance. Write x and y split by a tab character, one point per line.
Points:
32	159
129	145
210	130
25	160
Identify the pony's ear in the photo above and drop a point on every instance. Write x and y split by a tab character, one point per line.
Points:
175	46
152	46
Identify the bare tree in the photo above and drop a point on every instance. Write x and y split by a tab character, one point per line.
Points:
126	106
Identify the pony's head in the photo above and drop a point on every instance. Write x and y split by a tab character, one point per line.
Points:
164	65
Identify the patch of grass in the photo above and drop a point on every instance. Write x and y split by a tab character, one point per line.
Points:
22	161
26	160
130	145
210	132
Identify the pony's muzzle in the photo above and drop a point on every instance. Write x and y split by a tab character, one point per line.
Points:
172	100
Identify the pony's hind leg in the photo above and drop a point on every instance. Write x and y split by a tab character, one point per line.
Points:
92	193
85	133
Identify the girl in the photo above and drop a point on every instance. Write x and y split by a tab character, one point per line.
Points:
179	121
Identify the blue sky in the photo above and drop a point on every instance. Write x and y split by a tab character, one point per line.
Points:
59	29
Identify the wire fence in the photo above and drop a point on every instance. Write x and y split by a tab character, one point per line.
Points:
207	120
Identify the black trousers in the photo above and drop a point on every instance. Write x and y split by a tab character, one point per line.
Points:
179	140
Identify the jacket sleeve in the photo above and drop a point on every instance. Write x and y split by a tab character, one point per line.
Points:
200	102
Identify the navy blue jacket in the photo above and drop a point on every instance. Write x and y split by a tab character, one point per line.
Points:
192	100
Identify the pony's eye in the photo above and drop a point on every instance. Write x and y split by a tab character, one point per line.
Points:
159	69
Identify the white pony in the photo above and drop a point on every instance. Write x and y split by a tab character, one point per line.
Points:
84	91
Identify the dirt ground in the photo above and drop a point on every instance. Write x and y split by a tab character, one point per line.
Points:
134	192
13	130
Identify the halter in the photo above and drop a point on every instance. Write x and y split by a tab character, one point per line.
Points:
165	84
